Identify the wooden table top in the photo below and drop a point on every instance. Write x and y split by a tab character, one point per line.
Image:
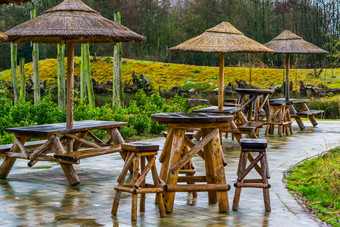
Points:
164	118
214	109
60	128
253	91
294	101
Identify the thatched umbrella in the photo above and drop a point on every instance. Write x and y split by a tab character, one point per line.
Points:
71	22
224	38
289	43
3	36
13	1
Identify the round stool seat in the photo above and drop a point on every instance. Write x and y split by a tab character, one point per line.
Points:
254	143
140	147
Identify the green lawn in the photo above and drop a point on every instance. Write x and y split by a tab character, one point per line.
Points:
317	182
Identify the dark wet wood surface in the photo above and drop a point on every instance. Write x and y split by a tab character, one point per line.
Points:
60	128
253	91
294	101
191	117
214	109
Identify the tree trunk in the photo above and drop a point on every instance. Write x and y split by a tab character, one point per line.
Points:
61	76
117	90
82	74
22	80
88	76
14	48
35	58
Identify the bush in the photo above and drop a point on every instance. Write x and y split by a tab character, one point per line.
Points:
128	131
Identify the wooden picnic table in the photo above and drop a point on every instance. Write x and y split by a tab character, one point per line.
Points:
243	126
174	157
65	145
254	104
299	109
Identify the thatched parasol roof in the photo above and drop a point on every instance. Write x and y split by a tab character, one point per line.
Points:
289	43
13	1
224	38
72	21
3	36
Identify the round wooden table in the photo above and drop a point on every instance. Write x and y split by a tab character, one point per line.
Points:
209	148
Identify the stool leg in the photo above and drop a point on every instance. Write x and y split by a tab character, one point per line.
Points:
241	167
134	196
266	196
157	183
121	180
142	196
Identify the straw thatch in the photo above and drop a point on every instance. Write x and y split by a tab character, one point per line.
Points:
72	21
13	1
224	38
289	43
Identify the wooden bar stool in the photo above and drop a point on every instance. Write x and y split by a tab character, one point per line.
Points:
248	146
137	153
279	116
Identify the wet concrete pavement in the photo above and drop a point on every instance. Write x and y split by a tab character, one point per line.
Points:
42	196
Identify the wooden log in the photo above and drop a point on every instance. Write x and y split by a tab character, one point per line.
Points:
125	189
187	171
88	143
256	166
196	187
253	181
145	171
210	162
191	145
134	196
127	164
241	167
219	172
252	185
8	163
148	190
250	167
192	179
40	150
68	169
193	126
175	168
266	196
20	142
89	83
70	85
167	143
221	83
176	150
95	138
77	144
116	136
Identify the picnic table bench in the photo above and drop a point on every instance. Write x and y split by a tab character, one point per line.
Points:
299	109
68	147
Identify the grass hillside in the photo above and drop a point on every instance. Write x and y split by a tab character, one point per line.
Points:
170	75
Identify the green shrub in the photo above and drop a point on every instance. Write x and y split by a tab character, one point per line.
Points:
128	131
157	128
141	122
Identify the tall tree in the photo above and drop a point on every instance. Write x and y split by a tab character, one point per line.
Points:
89	82
83	73
22	80
117	90
36	73
61	76
14	64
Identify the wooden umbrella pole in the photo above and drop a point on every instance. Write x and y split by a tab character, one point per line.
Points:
70	85
287	76
221	83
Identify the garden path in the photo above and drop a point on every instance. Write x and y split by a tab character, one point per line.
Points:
43	197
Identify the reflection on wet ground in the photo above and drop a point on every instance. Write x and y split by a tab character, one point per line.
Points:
41	196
